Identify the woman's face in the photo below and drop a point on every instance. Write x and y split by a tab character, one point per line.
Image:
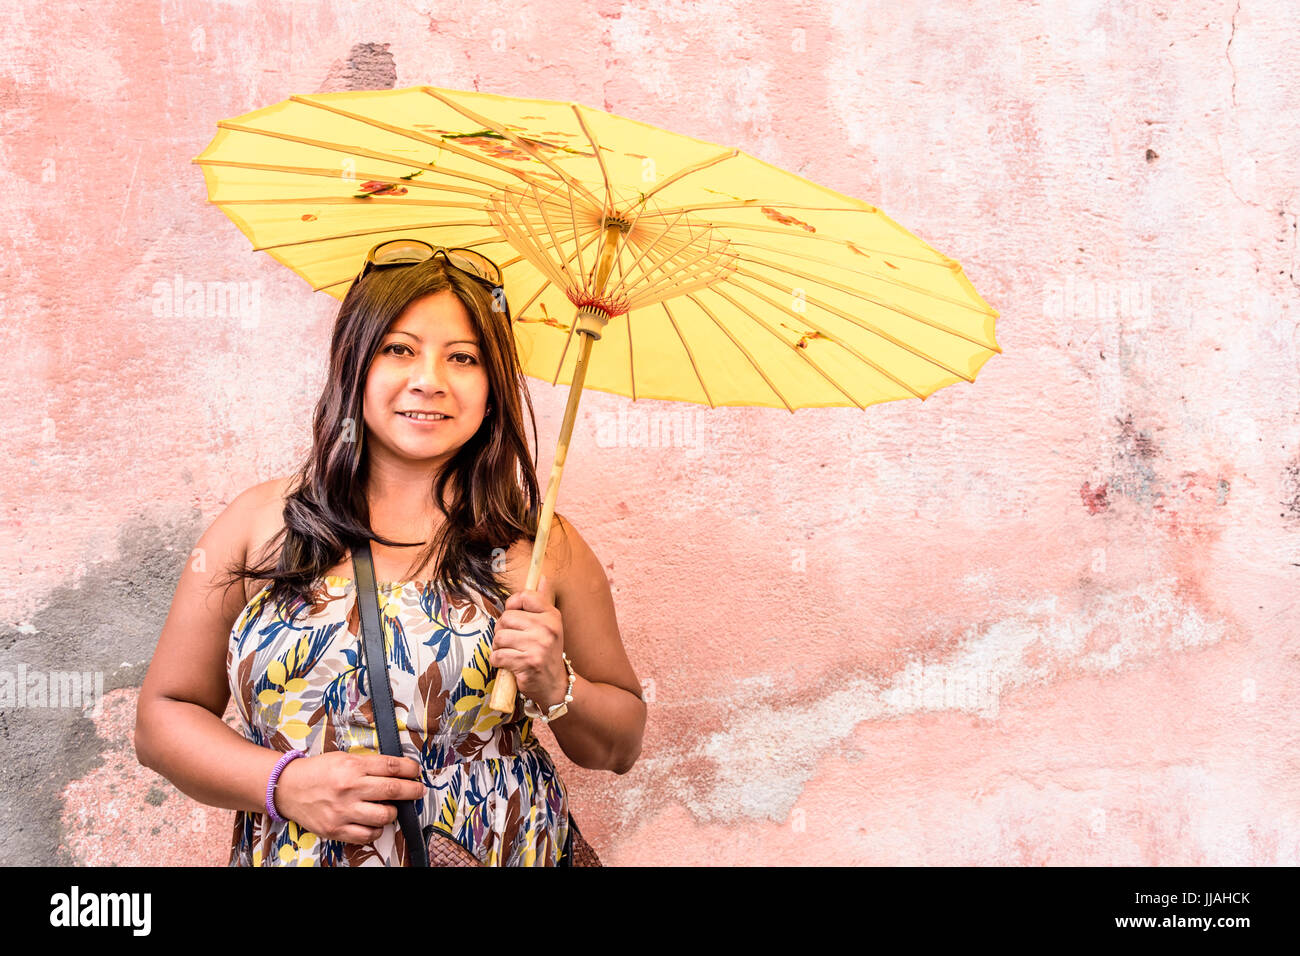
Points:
429	361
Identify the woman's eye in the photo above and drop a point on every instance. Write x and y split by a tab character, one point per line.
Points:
460	358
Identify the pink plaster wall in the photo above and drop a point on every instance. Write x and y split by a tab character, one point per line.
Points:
1047	618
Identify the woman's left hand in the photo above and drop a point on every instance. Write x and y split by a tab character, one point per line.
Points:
528	641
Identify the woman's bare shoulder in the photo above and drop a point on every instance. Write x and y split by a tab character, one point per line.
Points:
578	571
265	519
560	554
266	503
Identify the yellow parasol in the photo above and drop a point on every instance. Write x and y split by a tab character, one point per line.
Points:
707	275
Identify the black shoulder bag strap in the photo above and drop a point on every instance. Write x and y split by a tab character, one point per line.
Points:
381	695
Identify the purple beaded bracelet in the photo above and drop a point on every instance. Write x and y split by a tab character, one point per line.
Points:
275	775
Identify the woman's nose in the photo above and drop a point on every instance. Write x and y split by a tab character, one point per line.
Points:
428	374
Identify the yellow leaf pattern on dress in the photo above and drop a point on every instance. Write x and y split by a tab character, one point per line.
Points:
448	815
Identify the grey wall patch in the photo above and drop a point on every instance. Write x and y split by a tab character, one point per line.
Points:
109	622
368	66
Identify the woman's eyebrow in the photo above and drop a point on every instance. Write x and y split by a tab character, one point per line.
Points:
418	339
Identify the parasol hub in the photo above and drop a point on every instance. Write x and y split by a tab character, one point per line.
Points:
591	319
617	219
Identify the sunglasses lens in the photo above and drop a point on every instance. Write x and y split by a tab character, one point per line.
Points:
474	263
401	251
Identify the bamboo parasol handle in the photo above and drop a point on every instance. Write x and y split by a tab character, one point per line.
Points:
587	323
505	687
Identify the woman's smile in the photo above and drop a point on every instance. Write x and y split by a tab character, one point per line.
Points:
416	418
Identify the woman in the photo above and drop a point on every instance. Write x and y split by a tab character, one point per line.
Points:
421	334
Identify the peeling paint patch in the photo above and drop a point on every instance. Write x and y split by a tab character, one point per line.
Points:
1193	507
107	622
758	765
368	66
1291	491
1135	476
124	814
1221	488
1094	499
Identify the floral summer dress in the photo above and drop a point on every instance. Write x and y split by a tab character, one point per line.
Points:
297	673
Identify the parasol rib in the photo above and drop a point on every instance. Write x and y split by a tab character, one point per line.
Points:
646	251
640	208
812	280
674	291
631	369
744	351
667	260
788	233
435	141
600	160
939	296
550	230
867	328
573	217
356	151
689	354
750	203
559	366
523	144
519	230
334	174
520	227
540	289
693	168
682	271
832	337
802	353
344	201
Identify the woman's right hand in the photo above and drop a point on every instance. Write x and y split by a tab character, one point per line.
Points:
341	796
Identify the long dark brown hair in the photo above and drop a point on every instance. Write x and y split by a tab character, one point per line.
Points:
493	499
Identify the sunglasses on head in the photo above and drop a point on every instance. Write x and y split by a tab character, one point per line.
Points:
406	252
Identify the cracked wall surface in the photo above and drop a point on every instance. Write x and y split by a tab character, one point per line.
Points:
1045	618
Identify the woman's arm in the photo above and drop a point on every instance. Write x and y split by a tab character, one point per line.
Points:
604	725
179	731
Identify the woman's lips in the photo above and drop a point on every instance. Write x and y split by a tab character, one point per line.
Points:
423	422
